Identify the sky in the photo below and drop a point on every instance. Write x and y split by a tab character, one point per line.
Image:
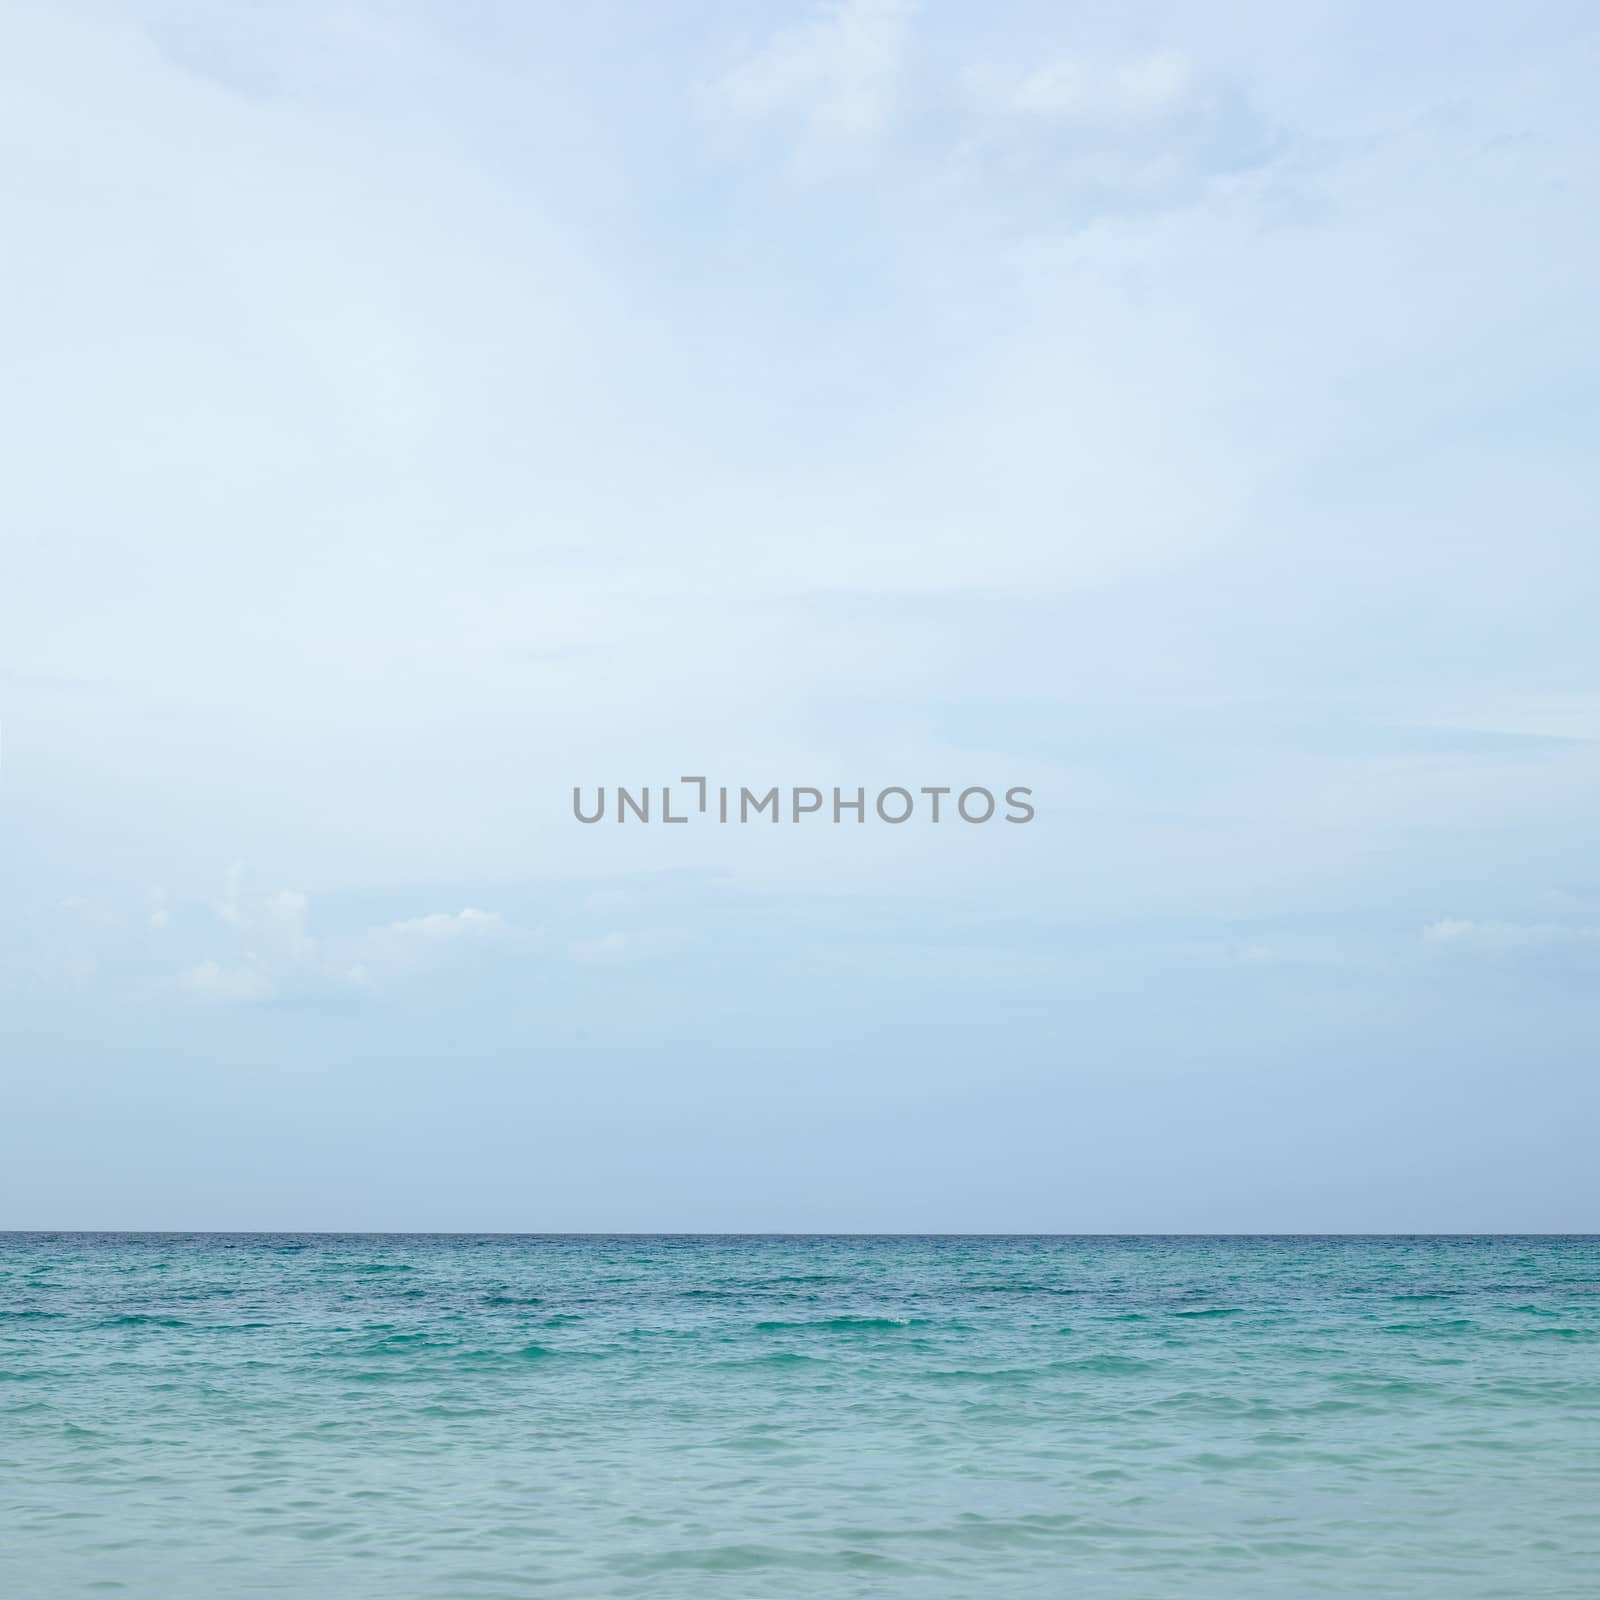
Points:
415	410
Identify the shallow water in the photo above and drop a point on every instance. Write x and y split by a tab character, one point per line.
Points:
209	1415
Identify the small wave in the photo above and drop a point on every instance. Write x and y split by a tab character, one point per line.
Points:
806	1277
840	1325
1527	1335
1389	1388
1106	1365
754	1558
363	1269
778	1358
403	1344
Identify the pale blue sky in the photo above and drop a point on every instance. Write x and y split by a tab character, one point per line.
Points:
412	410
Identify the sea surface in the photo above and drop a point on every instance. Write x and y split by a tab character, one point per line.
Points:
473	1417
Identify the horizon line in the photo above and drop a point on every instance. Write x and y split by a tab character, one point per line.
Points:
716	1233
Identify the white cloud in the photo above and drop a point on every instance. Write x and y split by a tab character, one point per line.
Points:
91	913
277	950
277	920
278	956
607	947
626	945
439	943
228	907
1100	134
837	76
240	984
450	925
1510	938
288	906
1088	90
286	913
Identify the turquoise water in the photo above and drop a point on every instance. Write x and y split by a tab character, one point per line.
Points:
458	1417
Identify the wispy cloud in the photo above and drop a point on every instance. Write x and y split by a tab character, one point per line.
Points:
1512	938
832	80
1087	90
468	923
239	983
276	952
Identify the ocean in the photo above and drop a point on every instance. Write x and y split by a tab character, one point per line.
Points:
940	1418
